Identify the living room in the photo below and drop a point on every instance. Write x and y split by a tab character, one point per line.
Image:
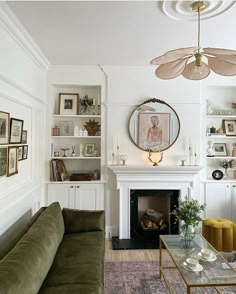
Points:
103	49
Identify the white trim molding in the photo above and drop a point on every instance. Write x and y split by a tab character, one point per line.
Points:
11	24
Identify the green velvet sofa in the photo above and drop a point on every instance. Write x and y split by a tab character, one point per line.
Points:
62	251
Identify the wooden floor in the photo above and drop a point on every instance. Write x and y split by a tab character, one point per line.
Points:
133	255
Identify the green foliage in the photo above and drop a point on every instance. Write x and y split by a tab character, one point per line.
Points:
188	211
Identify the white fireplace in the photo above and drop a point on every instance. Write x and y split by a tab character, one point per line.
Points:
186	179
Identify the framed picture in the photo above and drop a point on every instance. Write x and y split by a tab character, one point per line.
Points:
3	161
25	152
217	174
24	137
20	153
220	149
154	131
68	103
12	168
4	127
230	127
66	128
16	129
89	149
86	105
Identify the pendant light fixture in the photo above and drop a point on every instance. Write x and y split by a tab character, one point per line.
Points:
189	61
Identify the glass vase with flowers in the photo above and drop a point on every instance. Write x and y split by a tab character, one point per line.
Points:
188	213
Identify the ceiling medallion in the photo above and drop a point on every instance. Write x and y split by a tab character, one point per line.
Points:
189	61
181	9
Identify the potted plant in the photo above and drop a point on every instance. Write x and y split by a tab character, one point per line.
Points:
188	212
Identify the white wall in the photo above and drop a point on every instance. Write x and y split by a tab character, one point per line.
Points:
129	86
22	94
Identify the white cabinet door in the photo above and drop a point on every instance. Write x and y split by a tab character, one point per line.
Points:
233	203
89	196
218	200
62	193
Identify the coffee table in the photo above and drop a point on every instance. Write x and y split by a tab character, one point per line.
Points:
214	273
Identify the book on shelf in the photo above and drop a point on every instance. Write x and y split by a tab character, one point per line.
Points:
58	171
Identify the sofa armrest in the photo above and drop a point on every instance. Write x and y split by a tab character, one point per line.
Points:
83	220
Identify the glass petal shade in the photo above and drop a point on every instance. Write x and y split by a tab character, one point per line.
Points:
173	55
221	67
172	69
215	51
228	58
194	72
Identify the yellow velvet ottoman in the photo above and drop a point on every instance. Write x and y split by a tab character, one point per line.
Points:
220	233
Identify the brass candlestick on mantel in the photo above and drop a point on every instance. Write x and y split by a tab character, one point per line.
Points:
155	157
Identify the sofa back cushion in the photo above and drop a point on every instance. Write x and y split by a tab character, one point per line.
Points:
25	267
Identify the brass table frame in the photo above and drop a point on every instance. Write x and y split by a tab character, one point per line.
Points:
162	273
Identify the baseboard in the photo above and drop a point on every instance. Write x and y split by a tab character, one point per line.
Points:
111	231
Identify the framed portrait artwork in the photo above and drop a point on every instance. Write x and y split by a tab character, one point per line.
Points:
20	153
230	127
220	149
68	103
25	152
16	129
12	167
89	149
4	127
3	161
154	130
24	137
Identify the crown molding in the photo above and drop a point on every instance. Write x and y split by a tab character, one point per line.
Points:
10	23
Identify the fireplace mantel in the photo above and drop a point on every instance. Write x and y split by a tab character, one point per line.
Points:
183	178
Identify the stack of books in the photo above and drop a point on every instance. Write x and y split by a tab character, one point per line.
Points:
58	171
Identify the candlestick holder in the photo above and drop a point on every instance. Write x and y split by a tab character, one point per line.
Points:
190	154
117	155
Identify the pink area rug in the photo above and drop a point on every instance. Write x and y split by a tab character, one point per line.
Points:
143	278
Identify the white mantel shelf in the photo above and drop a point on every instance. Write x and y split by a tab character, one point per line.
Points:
149	169
185	179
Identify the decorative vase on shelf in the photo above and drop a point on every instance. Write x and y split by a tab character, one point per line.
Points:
187	232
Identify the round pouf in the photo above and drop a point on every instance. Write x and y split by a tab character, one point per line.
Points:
220	233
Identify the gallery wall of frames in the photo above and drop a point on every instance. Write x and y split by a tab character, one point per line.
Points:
13	144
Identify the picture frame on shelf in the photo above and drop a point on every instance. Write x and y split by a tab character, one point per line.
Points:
20	153
3	161
4	127
24	137
66	128
217	174
85	105
220	149
154	130
68	103
16	129
89	149
25	152
230	127
12	167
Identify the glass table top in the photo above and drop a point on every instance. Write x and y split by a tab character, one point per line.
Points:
215	272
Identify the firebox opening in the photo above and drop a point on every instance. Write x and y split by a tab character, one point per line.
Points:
150	213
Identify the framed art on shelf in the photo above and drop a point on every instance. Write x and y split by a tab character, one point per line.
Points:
12	168
154	130
89	149
24	137
25	152
230	127
20	153
4	127
16	129
66	128
220	149
68	103
3	161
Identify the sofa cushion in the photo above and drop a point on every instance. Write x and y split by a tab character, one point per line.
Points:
79	261
25	267
83	220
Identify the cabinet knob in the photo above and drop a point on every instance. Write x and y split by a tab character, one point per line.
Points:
233	186
71	186
77	186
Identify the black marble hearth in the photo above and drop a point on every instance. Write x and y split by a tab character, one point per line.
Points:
134	243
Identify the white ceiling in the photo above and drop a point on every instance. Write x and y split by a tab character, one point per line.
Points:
115	32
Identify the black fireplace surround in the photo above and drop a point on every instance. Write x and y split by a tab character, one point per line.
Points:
148	238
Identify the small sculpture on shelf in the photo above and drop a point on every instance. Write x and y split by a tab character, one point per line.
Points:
92	127
64	149
226	164
210	150
73	151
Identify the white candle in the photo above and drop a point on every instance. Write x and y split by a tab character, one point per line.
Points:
114	145
117	142
98	100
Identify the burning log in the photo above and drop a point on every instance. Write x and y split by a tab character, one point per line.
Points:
153	220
